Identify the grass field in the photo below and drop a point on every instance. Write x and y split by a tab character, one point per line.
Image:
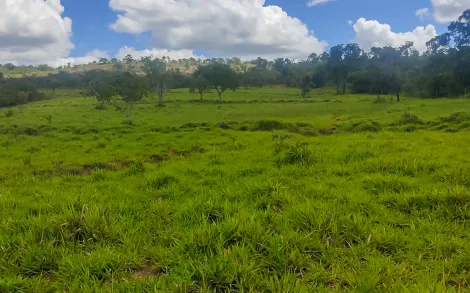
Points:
266	192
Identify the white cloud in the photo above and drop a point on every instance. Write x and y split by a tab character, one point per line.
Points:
33	32
422	13
449	10
173	54
317	2
89	57
371	33
350	22
225	28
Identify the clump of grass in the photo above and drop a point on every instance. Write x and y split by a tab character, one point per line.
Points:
363	126
268	125
48	118
9	113
27	160
287	154
162	181
100	106
457	117
380	100
386	184
31	131
299	154
409	118
127	122
100	145
137	168
224	125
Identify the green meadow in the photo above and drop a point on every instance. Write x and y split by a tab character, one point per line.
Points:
264	192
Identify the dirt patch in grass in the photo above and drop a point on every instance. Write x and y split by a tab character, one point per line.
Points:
146	272
149	271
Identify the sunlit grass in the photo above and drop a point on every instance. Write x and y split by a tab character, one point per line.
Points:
284	194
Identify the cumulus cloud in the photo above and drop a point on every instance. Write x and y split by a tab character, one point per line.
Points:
449	10
422	13
157	53
89	57
317	2
371	33
225	28
33	31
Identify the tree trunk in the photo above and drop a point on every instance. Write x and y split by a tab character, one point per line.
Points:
161	93
344	87
128	114
337	86
200	94
398	97
53	90
465	92
219	92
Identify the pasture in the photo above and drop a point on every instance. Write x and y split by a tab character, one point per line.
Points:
265	192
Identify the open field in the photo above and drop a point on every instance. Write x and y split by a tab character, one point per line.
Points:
266	192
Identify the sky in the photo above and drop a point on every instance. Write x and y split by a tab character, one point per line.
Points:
57	32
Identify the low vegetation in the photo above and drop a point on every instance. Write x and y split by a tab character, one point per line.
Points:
261	193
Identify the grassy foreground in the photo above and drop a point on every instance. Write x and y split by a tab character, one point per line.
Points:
266	192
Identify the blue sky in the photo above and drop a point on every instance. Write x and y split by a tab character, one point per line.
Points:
329	21
58	32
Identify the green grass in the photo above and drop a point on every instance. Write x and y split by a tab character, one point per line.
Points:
266	192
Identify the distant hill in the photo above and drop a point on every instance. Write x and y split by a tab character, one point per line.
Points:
135	66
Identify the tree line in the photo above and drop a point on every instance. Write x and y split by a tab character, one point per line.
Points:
442	71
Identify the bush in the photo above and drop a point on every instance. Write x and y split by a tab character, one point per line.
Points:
17	93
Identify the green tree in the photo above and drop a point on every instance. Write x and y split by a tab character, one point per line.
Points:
43	67
103	61
9	66
131	89
306	85
220	76
158	77
102	89
199	84
128	59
